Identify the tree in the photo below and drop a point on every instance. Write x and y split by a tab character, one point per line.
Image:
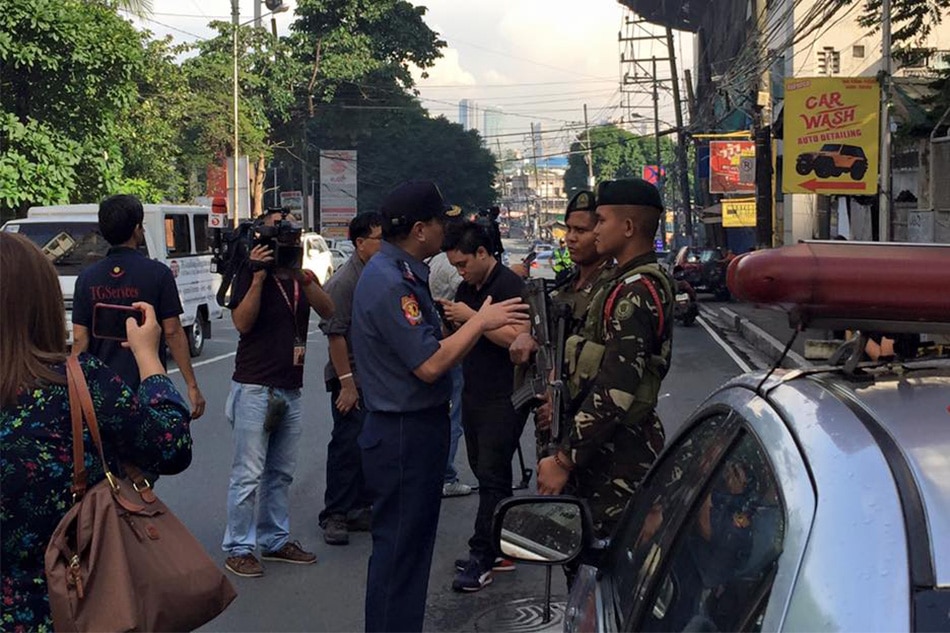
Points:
616	153
73	115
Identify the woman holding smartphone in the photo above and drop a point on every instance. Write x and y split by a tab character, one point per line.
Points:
149	428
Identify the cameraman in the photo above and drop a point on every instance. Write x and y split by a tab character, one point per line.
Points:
270	306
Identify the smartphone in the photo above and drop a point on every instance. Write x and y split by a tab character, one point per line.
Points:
108	321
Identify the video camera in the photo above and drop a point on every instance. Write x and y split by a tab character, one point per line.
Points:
231	247
488	219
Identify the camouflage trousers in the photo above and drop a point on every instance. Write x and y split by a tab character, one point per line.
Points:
612	477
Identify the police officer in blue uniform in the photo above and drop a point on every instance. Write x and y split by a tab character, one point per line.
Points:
398	345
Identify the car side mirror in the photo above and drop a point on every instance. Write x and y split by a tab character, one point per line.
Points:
543	530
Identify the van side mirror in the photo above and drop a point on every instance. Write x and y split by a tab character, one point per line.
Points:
542	529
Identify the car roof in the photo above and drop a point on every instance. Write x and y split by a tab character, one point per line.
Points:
905	410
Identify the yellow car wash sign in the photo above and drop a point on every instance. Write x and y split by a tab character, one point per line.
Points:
831	135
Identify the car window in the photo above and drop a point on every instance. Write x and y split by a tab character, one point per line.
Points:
177	235
202	238
71	246
645	533
720	571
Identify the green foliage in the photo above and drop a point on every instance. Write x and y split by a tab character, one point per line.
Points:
912	20
616	154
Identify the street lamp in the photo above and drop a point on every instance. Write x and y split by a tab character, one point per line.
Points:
277	8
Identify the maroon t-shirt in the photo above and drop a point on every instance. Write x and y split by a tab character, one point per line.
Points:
265	355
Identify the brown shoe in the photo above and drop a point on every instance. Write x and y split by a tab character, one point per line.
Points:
246	566
291	552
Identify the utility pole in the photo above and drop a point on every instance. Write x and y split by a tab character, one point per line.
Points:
537	181
656	127
681	159
304	180
762	135
884	202
590	156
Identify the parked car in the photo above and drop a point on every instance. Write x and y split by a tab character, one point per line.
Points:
317	256
339	258
801	500
704	269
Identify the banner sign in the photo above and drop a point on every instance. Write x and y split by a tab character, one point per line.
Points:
292	200
831	135
653	175
739	212
337	192
730	163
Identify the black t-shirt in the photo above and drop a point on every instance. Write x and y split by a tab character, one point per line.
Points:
265	355
487	369
123	277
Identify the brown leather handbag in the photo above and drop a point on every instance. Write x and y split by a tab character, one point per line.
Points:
120	560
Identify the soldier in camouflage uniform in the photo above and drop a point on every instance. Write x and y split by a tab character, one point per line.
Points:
617	361
575	290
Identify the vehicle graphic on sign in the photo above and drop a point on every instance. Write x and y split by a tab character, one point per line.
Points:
832	160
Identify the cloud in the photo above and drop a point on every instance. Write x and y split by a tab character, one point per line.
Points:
447	71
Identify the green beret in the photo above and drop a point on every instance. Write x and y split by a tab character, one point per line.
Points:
629	191
582	201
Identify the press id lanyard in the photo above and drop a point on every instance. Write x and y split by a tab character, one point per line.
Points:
300	346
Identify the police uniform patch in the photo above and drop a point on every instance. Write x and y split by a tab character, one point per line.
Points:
741	520
410	309
624	309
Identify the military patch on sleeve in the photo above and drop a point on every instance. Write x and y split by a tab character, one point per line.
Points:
410	309
624	310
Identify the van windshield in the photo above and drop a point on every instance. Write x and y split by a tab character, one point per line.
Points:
71	246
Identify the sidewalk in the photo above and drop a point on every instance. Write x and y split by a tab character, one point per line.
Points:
765	330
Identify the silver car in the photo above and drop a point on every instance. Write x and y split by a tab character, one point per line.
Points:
811	500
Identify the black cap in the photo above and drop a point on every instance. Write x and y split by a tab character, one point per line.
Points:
582	201
629	191
416	201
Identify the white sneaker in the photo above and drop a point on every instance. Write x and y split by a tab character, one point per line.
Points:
456	489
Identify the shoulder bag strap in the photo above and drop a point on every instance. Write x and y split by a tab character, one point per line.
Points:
75	414
77	385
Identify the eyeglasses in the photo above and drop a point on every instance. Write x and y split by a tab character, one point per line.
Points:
370	237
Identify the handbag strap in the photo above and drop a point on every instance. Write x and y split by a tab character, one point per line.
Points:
80	406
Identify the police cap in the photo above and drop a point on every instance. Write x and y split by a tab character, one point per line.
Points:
582	201
416	201
629	191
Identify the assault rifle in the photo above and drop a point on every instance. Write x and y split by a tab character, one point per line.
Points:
545	374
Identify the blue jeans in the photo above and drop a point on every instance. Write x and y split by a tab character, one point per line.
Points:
262	462
455	415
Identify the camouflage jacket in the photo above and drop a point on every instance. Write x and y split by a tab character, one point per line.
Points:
579	299
616	364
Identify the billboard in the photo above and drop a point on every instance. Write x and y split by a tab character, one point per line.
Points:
831	135
738	212
730	163
337	192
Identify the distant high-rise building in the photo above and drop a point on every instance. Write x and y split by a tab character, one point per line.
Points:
468	114
491	127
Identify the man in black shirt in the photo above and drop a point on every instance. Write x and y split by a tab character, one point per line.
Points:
492	426
270	308
123	277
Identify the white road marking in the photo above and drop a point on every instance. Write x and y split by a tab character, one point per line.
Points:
744	366
206	362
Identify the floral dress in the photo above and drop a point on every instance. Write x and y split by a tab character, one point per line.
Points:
150	429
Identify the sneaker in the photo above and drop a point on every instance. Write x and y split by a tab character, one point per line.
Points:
335	531
500	564
456	489
360	520
473	578
291	552
246	566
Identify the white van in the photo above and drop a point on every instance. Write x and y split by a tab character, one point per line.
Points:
177	236
316	256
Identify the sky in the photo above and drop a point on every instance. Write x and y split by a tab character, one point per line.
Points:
538	61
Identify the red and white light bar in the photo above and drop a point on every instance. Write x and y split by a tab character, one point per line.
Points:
885	287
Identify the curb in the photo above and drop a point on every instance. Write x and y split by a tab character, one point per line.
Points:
756	337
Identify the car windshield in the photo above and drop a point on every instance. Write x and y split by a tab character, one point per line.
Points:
71	246
708	256
831	147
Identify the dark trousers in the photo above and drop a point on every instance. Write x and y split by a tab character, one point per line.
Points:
404	457
492	431
345	487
